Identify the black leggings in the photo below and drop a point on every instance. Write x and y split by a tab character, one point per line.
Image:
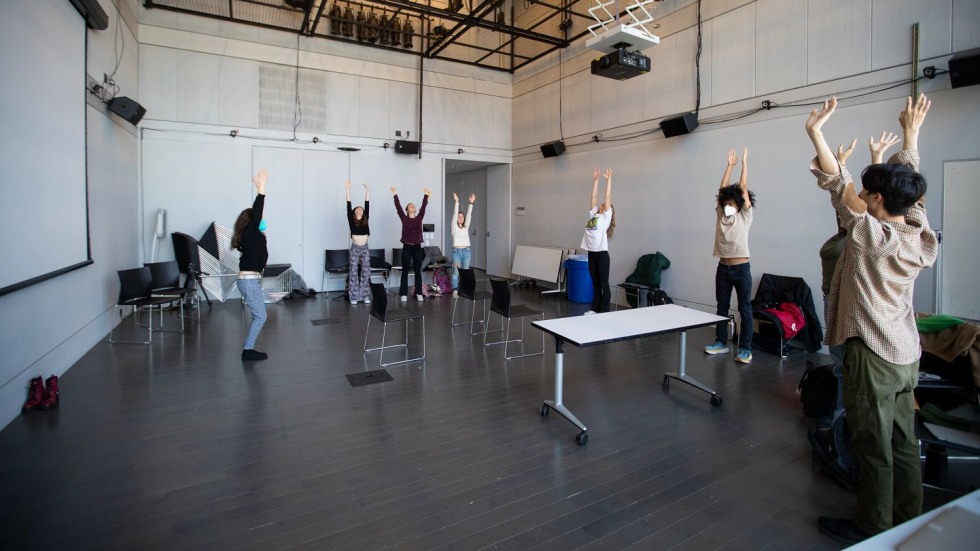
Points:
412	256
599	270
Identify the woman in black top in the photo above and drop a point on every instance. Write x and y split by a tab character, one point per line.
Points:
359	267
249	239
412	254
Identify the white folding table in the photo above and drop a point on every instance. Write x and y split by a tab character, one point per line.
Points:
596	329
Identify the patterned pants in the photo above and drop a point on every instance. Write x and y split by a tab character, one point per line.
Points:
359	273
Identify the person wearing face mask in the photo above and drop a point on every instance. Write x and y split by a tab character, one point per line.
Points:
734	211
359	266
249	240
412	253
460	230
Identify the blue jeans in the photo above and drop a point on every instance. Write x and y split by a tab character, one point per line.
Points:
738	277
251	290
461	259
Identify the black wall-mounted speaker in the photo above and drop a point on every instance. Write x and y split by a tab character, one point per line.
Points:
679	125
127	109
964	69
407	147
553	149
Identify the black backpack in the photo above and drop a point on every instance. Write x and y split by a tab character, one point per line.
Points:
818	391
832	453
658	297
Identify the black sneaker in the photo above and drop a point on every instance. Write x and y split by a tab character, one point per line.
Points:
252	355
842	530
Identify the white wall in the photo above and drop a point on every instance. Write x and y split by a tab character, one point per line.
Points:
663	189
203	79
49	326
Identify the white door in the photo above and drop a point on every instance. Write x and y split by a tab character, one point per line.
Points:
283	204
960	263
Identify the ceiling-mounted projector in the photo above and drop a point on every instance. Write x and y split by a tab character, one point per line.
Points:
621	64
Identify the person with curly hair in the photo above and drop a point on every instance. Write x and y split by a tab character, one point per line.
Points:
734	209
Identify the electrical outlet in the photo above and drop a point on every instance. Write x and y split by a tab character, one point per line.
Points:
398	133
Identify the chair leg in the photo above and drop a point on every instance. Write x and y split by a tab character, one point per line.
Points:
474	321
366	333
522	355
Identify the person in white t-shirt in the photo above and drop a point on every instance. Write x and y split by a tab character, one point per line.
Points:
598	230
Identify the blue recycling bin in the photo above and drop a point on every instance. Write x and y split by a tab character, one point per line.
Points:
579	280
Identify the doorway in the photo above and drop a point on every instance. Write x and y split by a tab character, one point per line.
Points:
490	224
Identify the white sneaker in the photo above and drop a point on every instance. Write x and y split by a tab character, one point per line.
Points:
419	298
455	293
404	298
589	312
367	301
353	302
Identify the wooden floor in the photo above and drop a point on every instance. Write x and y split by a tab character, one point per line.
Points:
177	445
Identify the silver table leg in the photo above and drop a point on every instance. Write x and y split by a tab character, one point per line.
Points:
683	377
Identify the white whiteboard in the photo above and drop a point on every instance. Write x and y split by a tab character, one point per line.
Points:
960	261
542	263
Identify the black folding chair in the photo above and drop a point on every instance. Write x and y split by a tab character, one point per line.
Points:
500	305
379	311
136	290
467	290
336	263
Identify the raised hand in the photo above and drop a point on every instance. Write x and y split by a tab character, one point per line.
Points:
843	154
817	118
745	155
732	158
347	185
455	197
608	173
366	188
393	190
595	174
914	114
472	198
427	192
259	181
878	148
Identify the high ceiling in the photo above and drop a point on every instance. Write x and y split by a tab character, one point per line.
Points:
497	34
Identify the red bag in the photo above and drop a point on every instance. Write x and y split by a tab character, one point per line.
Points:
791	316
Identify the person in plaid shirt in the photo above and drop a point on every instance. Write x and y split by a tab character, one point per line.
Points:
888	243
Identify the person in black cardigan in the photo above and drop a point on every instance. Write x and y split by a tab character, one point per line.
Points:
249	239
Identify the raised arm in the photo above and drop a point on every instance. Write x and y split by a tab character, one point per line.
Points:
452	218
367	193
912	118
743	179
607	201
843	154
814	128
347	187
398	204
469	211
259	204
425	202
726	178
595	188
826	161
879	147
